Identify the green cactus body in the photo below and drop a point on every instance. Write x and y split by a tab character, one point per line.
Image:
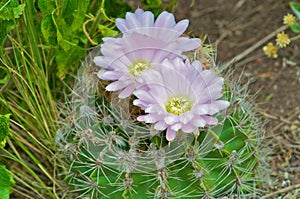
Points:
110	155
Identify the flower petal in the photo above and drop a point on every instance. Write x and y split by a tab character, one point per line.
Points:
209	120
188	128
199	121
181	26
154	108
148	19
143	105
176	126
143	94
186	117
150	118
176	78
187	44
131	20
160	125
165	20
114	86
171	119
127	91
121	25
170	135
100	61
109	75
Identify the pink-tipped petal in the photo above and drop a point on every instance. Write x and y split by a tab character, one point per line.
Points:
117	85
109	75
176	127
140	93
165	20
187	44
121	25
139	12
131	20
171	119
126	92
100	61
160	125
181	26
210	120
170	135
148	19
188	128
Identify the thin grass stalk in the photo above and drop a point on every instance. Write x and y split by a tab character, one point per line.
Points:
25	166
29	99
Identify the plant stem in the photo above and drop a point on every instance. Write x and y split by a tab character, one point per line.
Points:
96	22
280	191
295	38
31	32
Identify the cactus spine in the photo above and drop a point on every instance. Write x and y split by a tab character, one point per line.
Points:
111	155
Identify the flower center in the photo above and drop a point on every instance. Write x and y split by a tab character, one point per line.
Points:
178	105
137	68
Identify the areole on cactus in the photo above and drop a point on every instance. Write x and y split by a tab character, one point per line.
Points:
169	132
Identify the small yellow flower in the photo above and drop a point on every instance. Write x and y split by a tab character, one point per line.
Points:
289	19
282	39
270	50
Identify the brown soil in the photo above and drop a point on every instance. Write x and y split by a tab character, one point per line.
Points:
236	25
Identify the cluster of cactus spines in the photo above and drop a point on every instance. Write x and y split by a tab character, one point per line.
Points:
110	155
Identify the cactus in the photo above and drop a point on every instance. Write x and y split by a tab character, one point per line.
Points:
109	154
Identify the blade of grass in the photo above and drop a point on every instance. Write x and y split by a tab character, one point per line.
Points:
23	164
34	113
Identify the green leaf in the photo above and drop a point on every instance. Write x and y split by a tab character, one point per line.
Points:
158	6
46	6
48	29
6	11
106	31
62	28
65	44
69	23
6	182
116	8
6	26
18	11
153	3
69	7
79	14
296	8
295	27
5	78
9	11
67	59
4	129
6	14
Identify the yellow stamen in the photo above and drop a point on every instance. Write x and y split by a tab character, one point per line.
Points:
137	68
178	105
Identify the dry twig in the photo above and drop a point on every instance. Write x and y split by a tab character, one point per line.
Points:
255	46
280	191
283	122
